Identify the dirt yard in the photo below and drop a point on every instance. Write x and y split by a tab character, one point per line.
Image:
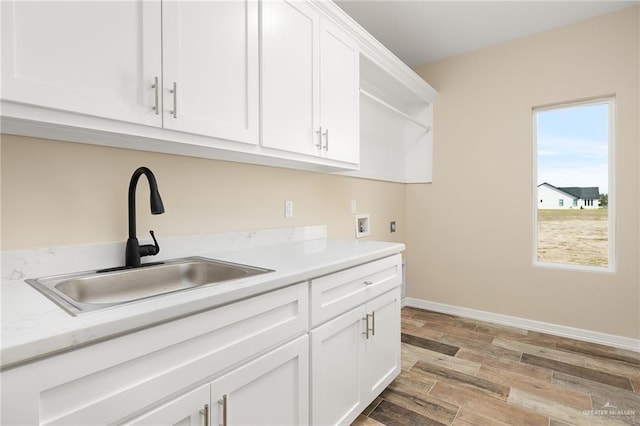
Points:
573	236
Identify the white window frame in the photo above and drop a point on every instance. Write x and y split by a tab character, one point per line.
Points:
611	267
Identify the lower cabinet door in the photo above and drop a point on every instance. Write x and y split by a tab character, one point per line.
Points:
382	354
336	355
270	390
186	410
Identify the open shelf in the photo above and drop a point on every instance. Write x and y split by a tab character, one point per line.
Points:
395	126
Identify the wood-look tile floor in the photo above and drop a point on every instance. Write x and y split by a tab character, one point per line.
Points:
458	371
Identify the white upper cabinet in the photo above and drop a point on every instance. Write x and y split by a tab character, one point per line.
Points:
339	94
210	68
291	83
96	58
290	39
310	81
185	66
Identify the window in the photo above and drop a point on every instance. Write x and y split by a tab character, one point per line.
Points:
573	145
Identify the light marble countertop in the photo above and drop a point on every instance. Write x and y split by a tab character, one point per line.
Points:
33	326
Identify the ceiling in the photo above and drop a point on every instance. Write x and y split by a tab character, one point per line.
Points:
422	31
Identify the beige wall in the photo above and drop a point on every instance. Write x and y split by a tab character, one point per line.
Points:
469	238
59	193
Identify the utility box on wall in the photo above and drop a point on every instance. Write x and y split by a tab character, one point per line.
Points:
363	225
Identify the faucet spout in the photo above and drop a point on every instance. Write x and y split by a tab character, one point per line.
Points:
134	251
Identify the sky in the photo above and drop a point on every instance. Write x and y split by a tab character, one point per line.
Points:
572	145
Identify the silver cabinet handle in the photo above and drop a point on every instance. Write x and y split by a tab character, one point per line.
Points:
156	88
319	133
206	413
223	402
373	323
175	100
326	140
366	326
368	330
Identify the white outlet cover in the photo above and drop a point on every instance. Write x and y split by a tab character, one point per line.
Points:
288	208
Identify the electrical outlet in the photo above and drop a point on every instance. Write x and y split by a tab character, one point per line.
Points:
288	208
353	207
392	226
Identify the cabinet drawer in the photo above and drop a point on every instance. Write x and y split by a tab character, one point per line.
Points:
335	294
117	379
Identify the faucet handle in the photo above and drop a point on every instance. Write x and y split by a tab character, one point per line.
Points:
150	249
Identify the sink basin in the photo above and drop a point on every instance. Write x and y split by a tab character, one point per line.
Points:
91	291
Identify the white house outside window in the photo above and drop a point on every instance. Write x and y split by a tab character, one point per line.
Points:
574	185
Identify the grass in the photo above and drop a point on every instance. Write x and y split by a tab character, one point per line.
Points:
572	214
573	236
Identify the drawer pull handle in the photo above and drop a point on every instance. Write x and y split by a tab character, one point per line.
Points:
175	100
154	86
366	326
319	133
373	323
368	330
368	282
326	135
205	413
223	402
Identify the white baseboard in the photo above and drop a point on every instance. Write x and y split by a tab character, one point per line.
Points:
527	324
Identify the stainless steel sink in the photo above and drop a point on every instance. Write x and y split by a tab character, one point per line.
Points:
91	291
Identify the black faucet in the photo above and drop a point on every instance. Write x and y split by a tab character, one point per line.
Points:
134	250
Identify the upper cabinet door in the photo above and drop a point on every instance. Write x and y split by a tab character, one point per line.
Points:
210	64
339	94
95	58
310	83
290	90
